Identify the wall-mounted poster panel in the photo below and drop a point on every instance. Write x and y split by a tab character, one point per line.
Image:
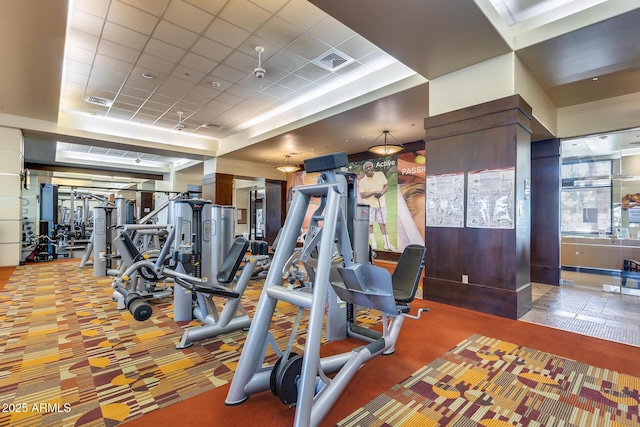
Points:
490	198
445	200
394	188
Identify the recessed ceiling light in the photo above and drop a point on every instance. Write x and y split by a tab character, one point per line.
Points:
215	84
147	75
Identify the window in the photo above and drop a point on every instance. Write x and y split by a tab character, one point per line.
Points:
586	197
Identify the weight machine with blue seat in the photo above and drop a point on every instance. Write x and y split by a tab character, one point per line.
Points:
302	381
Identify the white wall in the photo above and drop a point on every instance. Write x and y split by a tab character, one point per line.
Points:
483	82
611	114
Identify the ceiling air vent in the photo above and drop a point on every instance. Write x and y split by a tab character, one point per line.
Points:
333	60
98	101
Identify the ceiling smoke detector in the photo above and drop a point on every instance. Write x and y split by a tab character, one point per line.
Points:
259	71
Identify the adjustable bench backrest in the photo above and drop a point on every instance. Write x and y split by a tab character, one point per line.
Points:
406	276
127	247
232	260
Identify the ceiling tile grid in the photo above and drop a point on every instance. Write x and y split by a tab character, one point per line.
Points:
183	46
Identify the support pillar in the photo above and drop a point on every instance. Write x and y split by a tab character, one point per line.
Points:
11	164
495	261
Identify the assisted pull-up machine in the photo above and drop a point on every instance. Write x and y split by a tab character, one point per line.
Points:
302	381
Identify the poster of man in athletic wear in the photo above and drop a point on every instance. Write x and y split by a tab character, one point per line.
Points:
378	188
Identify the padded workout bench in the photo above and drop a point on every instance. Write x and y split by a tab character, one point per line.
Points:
232	317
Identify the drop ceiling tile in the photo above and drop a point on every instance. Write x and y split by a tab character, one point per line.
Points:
188	74
117	51
156	106
81	40
226	33
227	73
112	64
249	106
162	99
245	15
129	100
79	54
155	64
241	91
201	95
188	16
308	47
301	14
217	105
279	32
198	62
331	31
286	60
134	92
147	85
211	50
175	35
229	99
223	84
357	47
130	17
174	87
76	78
124	36
264	99
108	89
151	113
164	50
272	6
278	91
154	7
100	74
242	63
312	72
293	82
121	106
95	7
348	68
85	22
212	7
77	67
73	89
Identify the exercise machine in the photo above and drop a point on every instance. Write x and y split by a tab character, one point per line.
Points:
302	381
187	260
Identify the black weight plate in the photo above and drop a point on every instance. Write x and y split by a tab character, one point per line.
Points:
274	373
287	381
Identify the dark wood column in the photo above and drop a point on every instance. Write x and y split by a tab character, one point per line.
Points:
218	187
275	208
545	211
493	135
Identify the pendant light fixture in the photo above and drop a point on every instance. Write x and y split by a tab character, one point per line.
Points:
386	149
287	166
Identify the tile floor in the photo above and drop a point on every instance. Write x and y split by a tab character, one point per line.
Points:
585	308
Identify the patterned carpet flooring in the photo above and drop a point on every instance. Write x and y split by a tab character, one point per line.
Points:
68	357
492	383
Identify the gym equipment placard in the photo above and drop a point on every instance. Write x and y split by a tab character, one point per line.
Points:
445	200
490	197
